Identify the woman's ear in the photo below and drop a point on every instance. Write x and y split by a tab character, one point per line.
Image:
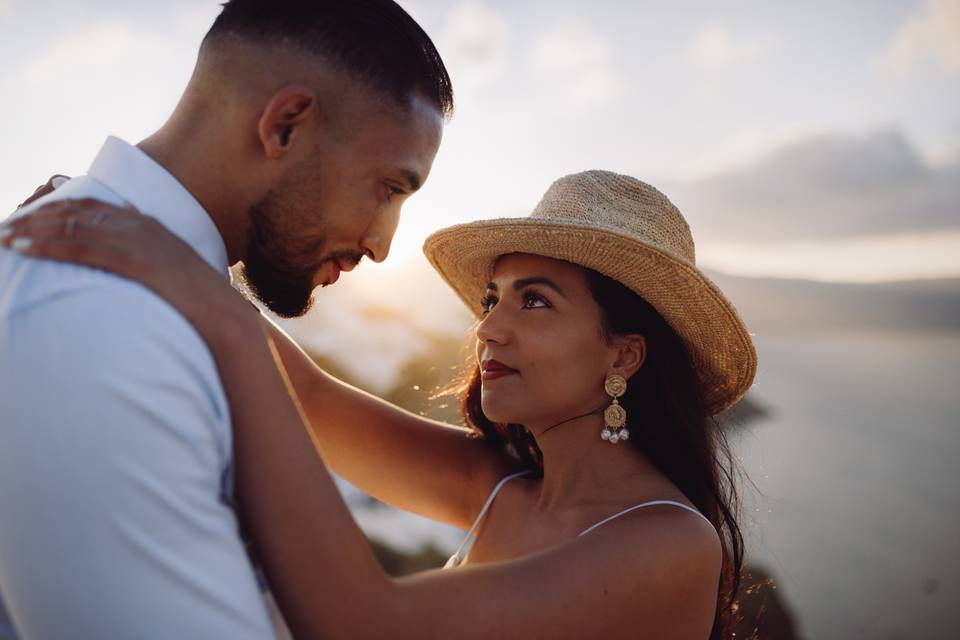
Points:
631	351
283	117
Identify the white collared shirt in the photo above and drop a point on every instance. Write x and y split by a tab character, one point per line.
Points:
115	443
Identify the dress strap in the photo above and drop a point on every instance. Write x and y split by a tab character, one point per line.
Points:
645	504
456	558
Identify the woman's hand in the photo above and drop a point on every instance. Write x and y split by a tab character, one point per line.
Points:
55	181
133	245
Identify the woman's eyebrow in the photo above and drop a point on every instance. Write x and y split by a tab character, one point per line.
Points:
526	282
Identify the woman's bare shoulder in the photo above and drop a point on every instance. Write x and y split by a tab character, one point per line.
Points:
666	557
654	573
664	544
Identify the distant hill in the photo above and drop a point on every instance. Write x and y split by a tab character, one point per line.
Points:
388	330
770	304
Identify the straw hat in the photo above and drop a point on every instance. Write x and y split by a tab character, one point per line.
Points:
629	231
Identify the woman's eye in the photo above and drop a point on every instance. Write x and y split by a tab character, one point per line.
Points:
487	303
532	301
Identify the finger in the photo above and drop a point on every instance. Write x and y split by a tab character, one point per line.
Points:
55	215
116	239
78	206
81	205
15	235
52	215
40	191
75	204
75	252
57	180
63	225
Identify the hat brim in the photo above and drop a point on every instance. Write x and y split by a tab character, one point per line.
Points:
720	347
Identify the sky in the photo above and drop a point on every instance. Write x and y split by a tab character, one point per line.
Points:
814	140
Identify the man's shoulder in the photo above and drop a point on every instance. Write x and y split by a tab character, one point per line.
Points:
94	315
99	333
108	321
78	295
29	283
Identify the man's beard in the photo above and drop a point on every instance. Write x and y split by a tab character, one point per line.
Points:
280	278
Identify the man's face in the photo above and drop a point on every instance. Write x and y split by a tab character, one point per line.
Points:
341	203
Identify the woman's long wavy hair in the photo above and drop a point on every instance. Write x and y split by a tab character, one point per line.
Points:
668	423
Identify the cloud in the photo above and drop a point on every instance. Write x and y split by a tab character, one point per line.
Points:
868	259
118	48
715	47
576	66
825	187
192	20
931	32
473	44
413	7
92	48
742	146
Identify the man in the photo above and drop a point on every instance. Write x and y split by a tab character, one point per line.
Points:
303	130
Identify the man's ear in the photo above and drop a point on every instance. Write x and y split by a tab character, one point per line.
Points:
284	118
631	351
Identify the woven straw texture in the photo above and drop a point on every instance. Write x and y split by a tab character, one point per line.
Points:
629	231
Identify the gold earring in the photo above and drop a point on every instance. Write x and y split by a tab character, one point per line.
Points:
615	417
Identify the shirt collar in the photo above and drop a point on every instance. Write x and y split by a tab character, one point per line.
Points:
142	182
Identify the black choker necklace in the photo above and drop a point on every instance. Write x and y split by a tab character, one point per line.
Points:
589	413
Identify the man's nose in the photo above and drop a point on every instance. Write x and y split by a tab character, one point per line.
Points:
378	238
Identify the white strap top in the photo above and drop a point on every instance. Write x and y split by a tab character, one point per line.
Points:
464	549
460	553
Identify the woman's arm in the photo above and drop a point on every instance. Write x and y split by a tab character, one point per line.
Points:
403	459
330	586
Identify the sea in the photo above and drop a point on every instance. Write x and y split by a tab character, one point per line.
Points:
856	509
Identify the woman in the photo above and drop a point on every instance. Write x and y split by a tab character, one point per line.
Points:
599	495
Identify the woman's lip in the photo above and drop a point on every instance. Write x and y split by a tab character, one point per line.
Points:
492	374
491	369
493	364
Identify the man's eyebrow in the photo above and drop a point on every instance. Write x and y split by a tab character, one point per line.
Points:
412	178
526	282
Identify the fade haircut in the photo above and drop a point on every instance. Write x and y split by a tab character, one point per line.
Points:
376	40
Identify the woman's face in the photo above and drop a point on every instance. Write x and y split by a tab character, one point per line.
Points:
540	345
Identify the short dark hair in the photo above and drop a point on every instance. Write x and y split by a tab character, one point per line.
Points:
375	39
